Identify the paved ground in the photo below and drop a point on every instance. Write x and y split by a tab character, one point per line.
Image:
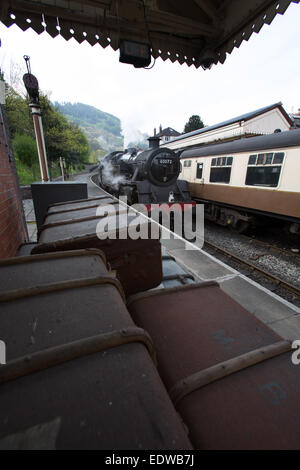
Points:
30	219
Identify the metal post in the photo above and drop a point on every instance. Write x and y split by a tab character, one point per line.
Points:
32	87
40	142
62	168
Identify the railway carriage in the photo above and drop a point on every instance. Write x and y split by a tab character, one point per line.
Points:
242	180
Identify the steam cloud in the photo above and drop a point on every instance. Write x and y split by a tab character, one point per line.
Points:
108	176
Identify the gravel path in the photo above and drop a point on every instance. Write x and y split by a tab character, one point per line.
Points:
285	266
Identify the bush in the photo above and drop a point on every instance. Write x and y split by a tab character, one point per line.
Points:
25	149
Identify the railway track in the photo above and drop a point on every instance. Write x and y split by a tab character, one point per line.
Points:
278	282
271	248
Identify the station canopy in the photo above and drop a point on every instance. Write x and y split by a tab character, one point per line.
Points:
195	32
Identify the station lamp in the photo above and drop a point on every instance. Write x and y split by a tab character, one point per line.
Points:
136	53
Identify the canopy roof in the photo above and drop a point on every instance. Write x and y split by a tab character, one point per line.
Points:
195	32
243	117
274	141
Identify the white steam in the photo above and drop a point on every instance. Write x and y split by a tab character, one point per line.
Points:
109	178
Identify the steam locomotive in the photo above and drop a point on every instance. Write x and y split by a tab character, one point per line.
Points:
146	177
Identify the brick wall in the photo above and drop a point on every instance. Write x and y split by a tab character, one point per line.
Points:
13	229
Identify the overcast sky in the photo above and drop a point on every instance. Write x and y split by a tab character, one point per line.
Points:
262	71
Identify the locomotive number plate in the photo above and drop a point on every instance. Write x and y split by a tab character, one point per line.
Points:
164	161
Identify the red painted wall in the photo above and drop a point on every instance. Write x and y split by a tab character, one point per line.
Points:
13	229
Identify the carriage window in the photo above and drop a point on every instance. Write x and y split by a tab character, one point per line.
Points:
263	176
199	170
267	170
268	158
187	163
222	161
264	159
220	170
220	174
260	159
278	157
252	160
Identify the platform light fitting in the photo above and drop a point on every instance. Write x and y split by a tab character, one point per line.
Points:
136	53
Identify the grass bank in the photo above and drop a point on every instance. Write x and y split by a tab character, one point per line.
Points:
29	175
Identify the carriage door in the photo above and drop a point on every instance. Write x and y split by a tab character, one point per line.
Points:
199	170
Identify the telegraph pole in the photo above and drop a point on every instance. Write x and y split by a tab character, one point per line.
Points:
32	87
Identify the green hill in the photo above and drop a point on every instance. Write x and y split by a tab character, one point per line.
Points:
103	130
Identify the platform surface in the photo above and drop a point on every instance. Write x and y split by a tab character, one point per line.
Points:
277	313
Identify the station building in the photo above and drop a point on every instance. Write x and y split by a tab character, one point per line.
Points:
272	118
167	134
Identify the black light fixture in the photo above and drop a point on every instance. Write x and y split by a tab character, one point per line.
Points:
136	53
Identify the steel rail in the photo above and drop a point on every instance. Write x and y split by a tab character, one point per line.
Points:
278	281
269	247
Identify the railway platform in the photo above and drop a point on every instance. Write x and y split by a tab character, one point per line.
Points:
30	219
280	315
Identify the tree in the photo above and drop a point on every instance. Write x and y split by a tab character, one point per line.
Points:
18	114
62	138
96	155
139	144
25	151
193	124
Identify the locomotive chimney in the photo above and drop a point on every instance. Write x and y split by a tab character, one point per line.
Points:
153	142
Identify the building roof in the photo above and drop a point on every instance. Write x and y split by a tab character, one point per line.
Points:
264	142
296	119
243	117
168	131
195	32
